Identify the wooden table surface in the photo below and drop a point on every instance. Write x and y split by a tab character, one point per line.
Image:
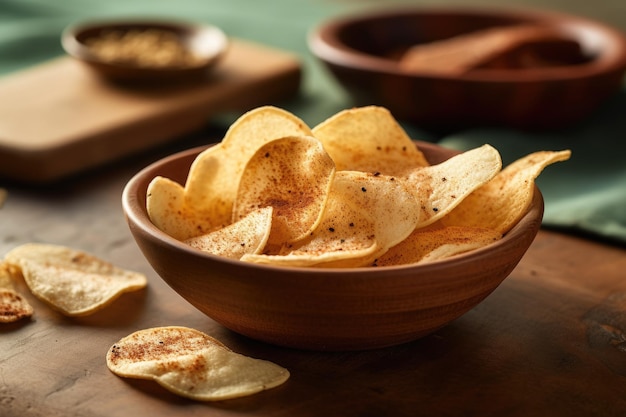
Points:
550	341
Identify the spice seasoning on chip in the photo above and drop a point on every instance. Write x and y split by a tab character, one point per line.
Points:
13	306
192	364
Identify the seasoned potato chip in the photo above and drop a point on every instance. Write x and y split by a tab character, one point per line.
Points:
307	257
502	202
205	202
192	364
13	306
368	139
293	175
365	215
214	175
437	242
439	188
246	236
73	282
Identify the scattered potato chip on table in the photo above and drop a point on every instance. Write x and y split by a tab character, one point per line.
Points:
13	306
192	364
71	281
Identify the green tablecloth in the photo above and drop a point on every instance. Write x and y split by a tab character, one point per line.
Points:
586	194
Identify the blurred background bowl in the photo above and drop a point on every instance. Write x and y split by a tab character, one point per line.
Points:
324	309
362	52
160	50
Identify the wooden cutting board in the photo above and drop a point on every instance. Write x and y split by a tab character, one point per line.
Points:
60	117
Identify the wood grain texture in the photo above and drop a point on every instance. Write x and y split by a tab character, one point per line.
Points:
548	341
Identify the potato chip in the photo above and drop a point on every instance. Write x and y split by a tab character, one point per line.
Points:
365	215
439	188
73	282
13	306
293	175
437	242
345	238
205	202
165	204
246	236
214	176
192	364
368	139
308	257
502	202
6	276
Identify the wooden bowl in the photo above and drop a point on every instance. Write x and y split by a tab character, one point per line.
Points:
362	51
324	309
206	43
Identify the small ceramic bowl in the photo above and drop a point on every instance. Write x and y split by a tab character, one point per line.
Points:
146	50
362	52
324	309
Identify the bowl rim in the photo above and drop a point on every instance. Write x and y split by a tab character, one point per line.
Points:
323	43
137	217
77	49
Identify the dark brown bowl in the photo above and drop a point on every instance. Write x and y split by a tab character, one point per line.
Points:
324	309
207	43
359	50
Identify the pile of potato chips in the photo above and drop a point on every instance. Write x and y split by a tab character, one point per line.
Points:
354	191
70	281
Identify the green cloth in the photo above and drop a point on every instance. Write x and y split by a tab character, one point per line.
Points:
586	194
